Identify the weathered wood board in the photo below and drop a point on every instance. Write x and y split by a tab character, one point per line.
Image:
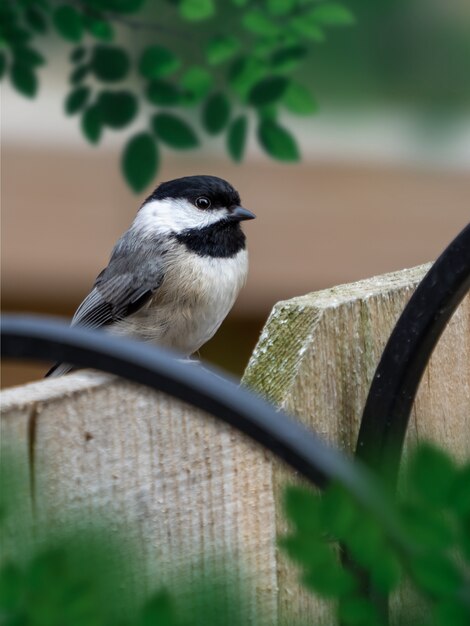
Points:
316	358
188	490
185	490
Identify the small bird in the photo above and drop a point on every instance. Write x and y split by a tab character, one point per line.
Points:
175	274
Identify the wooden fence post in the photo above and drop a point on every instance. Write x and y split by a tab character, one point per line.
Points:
316	358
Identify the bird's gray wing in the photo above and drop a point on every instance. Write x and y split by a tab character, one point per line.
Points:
117	293
112	300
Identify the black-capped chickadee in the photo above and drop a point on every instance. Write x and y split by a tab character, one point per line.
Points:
175	274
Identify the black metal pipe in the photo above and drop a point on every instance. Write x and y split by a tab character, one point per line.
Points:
38	338
409	348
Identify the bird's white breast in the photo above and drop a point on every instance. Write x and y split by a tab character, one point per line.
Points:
195	296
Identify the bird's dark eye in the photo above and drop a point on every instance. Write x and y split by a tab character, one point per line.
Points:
202	202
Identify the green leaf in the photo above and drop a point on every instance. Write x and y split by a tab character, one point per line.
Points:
240	3
450	612
288	58
338	512
236	137
310	551
428	528
163	93
99	28
329	582
277	141
358	611
3	63
221	49
307	27
265	47
216	113
244	73
77	76
255	21
432	474
92	124
464	538
110	63
118	108
157	62
459	496
197	10
12	587
268	90
303	507
280	7
36	20
364	540
159	610
28	56
435	573
11	31
267	111
77	54
333	14
174	131
297	99
76	100
68	22
24	80
196	83
385	571
8	14
140	161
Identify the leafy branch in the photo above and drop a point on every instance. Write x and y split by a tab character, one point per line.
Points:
242	74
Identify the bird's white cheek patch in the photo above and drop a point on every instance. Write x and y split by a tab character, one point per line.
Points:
174	216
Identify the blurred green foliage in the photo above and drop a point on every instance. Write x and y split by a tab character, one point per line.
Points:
224	59
52	575
434	510
406	53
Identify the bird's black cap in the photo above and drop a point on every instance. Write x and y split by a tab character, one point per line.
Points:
219	191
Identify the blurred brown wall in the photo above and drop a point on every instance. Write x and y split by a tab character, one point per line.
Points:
319	224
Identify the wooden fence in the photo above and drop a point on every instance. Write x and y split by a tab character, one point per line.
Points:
190	491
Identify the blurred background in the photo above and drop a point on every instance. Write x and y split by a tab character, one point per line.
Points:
384	182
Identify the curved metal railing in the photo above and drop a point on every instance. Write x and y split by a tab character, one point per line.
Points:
395	384
37	338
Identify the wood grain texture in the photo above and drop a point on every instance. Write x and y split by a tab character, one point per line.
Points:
188	490
316	359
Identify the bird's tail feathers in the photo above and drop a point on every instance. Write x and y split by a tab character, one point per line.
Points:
58	370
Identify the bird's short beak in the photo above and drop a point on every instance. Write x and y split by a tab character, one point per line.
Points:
239	214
